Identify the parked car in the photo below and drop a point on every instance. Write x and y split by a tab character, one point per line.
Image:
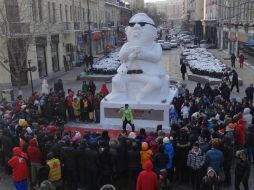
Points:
186	40
160	42
166	46
173	44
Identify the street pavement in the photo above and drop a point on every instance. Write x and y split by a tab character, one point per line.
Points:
170	59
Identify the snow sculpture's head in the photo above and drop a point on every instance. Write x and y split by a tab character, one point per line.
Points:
141	29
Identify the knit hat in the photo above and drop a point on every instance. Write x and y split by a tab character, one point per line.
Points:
165	140
209	169
239	152
23	123
132	135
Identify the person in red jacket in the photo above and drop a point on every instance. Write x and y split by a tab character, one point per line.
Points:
241	60
69	101
147	179
240	134
35	156
20	172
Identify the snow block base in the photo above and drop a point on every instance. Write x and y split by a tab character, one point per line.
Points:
146	115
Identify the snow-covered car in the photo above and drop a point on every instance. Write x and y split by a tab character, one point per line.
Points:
166	46
160	42
173	43
108	65
186	40
202	62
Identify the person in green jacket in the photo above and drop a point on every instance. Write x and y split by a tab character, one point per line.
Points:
127	117
85	87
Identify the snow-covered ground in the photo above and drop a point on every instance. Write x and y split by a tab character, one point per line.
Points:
199	59
108	64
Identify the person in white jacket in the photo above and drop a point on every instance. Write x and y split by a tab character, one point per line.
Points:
185	111
247	117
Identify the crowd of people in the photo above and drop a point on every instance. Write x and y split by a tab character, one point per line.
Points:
210	133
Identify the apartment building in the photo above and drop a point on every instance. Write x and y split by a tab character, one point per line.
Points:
236	27
193	14
52	35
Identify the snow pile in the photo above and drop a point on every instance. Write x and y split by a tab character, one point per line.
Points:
107	65
202	62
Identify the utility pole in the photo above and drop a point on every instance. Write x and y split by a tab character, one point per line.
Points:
89	28
30	72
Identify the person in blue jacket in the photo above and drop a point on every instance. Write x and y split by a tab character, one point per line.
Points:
169	150
214	157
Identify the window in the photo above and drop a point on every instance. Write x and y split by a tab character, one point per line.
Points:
49	12
61	13
84	15
66	13
251	11
34	11
54	12
71	13
40	10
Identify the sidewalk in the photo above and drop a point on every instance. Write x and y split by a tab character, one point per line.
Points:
246	74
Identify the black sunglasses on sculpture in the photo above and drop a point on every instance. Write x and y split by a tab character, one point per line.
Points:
132	24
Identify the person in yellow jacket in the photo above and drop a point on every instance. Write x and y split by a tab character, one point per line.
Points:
145	154
76	107
55	173
127	117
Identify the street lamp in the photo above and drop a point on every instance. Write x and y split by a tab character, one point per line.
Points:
31	69
89	28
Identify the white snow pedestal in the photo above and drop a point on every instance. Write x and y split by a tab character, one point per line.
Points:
146	115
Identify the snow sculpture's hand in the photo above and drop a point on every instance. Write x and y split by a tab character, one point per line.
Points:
134	53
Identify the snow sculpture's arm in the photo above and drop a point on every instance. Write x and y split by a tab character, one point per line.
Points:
151	55
124	53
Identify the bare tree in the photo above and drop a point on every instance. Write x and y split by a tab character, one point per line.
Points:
18	27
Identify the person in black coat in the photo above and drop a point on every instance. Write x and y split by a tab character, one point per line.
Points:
233	58
207	90
234	80
225	91
242	170
92	161
215	92
68	158
182	149
106	165
81	154
198	90
228	159
160	160
249	94
8	144
183	70
58	86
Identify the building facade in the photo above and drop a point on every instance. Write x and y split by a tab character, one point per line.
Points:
236	27
193	14
210	20
136	5
53	35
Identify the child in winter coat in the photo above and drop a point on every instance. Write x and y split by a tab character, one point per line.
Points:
145	153
76	107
